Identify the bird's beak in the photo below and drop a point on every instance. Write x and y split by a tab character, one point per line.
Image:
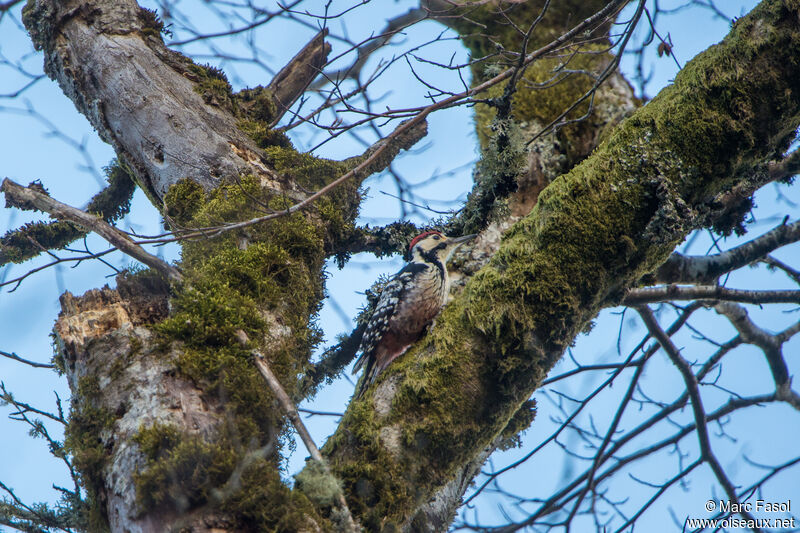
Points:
459	240
454	243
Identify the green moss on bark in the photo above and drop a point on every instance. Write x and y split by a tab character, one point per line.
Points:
547	88
267	281
183	471
180	471
593	234
110	204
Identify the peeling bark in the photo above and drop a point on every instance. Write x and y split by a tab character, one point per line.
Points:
139	387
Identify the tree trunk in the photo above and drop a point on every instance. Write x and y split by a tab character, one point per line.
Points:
171	425
671	167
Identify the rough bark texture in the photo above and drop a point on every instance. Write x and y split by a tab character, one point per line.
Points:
171	426
138	390
139	96
548	157
593	234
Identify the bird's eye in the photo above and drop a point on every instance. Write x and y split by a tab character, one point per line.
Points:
436	237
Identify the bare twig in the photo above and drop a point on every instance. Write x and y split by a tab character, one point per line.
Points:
77	260
22	407
34	364
773	264
33	198
364	51
681	268
690	381
289	409
408	132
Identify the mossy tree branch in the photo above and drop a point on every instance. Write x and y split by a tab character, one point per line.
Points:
110	204
34	197
593	234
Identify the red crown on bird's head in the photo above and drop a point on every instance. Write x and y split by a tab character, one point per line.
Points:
421	236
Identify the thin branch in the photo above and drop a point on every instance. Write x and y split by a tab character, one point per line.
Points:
22	407
289	409
690	381
333	361
706	292
776	264
662	489
77	260
34	364
5	6
409	131
363	52
36	198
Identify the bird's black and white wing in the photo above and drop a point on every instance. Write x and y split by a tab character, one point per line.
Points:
379	323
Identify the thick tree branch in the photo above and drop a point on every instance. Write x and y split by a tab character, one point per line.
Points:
150	103
785	168
375	159
590	238
704	269
35	198
770	344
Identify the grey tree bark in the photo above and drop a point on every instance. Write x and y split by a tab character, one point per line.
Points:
580	232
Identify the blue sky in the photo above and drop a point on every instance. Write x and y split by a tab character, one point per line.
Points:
69	164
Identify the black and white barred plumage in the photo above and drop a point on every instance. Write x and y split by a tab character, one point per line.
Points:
407	304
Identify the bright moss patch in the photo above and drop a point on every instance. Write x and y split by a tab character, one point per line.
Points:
263	135
267	281
593	233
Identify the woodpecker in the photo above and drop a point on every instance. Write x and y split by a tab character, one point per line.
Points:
408	303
